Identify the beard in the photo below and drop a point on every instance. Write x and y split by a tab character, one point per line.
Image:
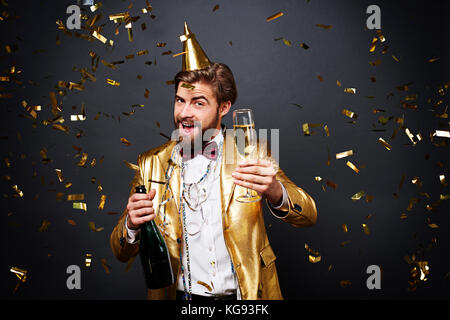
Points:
192	132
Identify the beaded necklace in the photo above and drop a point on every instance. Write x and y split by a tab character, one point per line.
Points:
182	218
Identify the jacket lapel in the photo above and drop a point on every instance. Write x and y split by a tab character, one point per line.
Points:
228	165
174	183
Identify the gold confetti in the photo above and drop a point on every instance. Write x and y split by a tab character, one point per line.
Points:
187	86
345	283
344	228
59	173
176	55
88	260
318	178
412	202
441	133
93	228
216	7
346	242
83	159
327	131
350	90
373	45
98	36
375	63
338	83
304	46
331	184
357	196
105	265
207	286
131	165
352	166
80	206
112	82
44	225
17	190
102	202
349	114
380	36
313	259
434	59
314	256
125	141
21	274
77	117
344	154
366	229
147	92
274	16
72	222
305	129
442	179
384	143
395	58
323	26
95	6
75	197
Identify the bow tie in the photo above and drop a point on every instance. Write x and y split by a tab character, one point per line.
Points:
209	150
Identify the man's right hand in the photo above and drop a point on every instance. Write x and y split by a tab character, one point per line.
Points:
140	209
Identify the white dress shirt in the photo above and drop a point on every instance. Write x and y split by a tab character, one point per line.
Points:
210	262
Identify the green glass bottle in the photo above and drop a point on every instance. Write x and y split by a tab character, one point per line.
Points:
154	255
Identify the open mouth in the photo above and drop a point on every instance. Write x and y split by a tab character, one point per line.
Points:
187	127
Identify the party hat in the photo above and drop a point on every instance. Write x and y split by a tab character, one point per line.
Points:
194	57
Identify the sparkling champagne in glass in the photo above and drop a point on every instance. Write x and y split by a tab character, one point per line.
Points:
246	144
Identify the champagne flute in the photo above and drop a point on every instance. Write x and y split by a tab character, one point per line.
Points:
246	145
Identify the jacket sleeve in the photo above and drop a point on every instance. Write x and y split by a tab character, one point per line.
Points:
301	210
118	239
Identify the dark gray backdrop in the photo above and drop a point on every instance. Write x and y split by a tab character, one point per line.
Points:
282	85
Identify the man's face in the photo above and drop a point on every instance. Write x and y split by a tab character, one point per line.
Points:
197	104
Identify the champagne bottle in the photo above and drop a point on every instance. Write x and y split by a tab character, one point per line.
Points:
154	255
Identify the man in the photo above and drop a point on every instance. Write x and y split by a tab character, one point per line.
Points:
218	246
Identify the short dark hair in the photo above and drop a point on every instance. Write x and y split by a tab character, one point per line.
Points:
218	75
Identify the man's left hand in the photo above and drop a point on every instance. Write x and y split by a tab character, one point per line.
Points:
259	175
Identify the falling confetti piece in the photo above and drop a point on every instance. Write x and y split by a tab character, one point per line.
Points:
112	82
207	286
88	260
373	45
344	154
350	90
345	283
304	46
17	190
349	114
72	222
125	141
344	228
44	225
80	206
21	274
187	86
323	26
274	16
384	143
102	202
357	196
216	7
366	229
75	197
352	166
93	228
105	265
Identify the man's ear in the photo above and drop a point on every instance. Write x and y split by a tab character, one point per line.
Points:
225	108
